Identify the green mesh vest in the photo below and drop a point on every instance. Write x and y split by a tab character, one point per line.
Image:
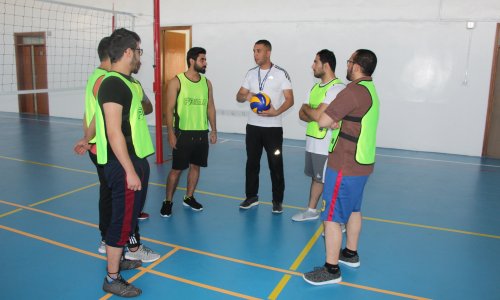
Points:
316	97
366	141
141	139
90	100
192	104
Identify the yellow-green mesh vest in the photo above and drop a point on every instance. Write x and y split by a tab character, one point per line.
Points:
366	142
141	139
316	97
90	100
192	104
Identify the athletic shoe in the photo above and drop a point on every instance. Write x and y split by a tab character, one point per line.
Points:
143	254
166	209
102	247
191	202
305	216
349	261
121	287
143	216
249	202
277	208
321	276
127	264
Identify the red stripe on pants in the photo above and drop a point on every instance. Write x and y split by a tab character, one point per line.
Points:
127	214
334	196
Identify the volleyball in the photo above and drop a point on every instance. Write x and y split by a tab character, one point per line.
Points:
260	102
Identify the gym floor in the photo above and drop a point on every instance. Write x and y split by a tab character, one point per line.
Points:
431	227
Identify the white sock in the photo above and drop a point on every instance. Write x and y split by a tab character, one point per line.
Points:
311	210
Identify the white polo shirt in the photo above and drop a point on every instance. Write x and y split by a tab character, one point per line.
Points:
273	82
321	146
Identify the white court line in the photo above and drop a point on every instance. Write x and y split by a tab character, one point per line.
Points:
402	157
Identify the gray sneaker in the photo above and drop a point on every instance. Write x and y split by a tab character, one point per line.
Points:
127	264
102	247
349	261
121	287
143	254
305	216
321	276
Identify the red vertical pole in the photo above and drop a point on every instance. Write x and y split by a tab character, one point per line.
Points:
113	20
157	84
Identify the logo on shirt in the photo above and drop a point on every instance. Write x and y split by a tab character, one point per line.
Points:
195	101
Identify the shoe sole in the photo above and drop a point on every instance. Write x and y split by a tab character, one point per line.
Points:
306	219
142	218
195	209
165	216
101	250
350	264
333	281
277	212
143	260
251	205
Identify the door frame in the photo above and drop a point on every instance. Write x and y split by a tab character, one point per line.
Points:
163	53
494	74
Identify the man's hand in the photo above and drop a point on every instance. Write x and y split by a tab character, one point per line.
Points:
81	146
172	139
213	137
133	182
271	112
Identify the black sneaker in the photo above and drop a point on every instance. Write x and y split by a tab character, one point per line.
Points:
166	209
249	202
349	261
191	202
120	287
277	208
321	276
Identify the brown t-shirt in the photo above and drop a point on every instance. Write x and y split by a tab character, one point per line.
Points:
354	101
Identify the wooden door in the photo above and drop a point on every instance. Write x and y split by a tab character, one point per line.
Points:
493	138
31	64
174	51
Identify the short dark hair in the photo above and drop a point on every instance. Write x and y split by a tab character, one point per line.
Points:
367	60
121	40
102	49
266	43
327	56
193	53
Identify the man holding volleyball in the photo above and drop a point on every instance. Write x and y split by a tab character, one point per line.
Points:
264	128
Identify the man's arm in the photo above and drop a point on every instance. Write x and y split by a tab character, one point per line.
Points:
272	112
113	116
211	114
302	114
147	107
243	95
314	113
172	90
326	122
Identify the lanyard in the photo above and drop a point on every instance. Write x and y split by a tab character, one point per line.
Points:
263	82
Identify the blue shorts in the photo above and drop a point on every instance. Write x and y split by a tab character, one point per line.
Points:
342	195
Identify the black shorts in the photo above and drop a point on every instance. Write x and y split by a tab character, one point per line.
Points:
192	148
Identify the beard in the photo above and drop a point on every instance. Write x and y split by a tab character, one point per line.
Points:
199	69
318	74
349	74
136	65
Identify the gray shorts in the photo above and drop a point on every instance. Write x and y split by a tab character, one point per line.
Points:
315	166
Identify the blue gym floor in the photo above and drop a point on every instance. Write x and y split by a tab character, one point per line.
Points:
431	226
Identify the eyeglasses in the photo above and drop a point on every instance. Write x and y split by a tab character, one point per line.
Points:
140	51
350	61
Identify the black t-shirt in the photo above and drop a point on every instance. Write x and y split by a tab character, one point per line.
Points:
115	90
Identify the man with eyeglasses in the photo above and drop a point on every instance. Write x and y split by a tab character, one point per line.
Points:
123	143
350	161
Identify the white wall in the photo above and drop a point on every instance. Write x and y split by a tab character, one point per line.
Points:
423	51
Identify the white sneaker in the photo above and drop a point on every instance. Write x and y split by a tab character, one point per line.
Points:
305	216
143	253
102	248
